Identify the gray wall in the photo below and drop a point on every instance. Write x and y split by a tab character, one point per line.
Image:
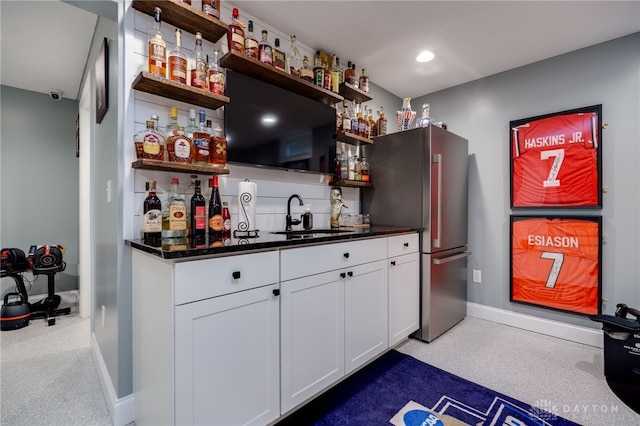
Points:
607	74
39	174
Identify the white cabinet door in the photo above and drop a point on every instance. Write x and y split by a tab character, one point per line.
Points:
312	336
227	359
365	289
404	296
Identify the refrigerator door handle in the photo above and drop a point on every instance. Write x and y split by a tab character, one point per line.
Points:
443	260
435	242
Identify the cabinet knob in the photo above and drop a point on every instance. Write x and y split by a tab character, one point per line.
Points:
350	273
276	292
406	245
236	275
342	275
346	255
393	262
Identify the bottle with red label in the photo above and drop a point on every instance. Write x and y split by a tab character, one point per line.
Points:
226	221
235	35
198	217
216	222
178	61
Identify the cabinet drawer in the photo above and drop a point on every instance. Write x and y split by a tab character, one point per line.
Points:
402	244
202	279
300	262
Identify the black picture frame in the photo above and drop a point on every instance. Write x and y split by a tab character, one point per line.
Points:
556	262
78	136
545	172
102	81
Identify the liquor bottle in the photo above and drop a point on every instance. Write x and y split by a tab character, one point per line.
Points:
199	65
338	164
192	126
211	8
382	124
216	223
425	120
345	127
180	148
279	57
198	216
361	123
178	61
218	149
351	166
335	74
354	119
294	58
172	127
306	73
350	74
216	75
366	176
307	217
251	43
339	69
201	139
326	77
150	143
157	58
363	83
152	217
174	214
265	51
344	164
235	35
372	124
318	70
226	220
357	175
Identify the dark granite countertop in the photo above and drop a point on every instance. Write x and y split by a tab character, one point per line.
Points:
182	250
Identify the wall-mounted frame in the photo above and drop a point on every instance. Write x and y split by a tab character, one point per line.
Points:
556	160
102	81
78	136
555	262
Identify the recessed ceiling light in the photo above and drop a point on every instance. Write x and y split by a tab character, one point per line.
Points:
269	120
425	56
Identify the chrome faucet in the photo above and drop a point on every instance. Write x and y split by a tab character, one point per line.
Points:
291	221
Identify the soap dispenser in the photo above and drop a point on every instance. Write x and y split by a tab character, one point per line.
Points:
307	217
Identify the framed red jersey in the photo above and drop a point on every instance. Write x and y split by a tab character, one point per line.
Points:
556	159
555	262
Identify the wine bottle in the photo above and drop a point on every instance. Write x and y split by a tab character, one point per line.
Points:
198	217
216	222
152	217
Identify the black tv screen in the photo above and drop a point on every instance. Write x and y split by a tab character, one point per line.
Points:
300	137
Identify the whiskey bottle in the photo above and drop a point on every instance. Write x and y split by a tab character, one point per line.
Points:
178	61
306	73
344	164
265	51
172	127
218	149
201	139
294	58
366	177
382	124
150	143
251	43
363	83
192	126
199	65
152	217
361	122
216	75
346	119
350	74
174	215
157	47
279	57
318	70
180	148
216	223
235	35
326	76
211	8
351	166
198	217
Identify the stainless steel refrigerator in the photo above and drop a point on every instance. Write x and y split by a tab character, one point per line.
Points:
420	180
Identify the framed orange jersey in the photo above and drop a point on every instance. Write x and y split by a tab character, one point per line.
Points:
556	159
555	262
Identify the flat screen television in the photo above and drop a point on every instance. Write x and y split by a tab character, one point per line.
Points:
273	127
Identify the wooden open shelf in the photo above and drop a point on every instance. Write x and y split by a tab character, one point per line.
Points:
167	166
156	85
351	183
186	17
352	139
351	92
258	70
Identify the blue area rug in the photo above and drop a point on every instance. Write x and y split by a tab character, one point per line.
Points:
400	390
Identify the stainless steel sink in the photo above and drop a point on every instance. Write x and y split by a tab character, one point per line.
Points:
305	232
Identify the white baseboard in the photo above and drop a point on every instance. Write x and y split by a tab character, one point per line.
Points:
574	333
121	409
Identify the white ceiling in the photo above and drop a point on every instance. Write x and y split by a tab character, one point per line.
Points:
45	44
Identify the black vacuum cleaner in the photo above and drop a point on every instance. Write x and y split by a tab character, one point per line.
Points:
622	354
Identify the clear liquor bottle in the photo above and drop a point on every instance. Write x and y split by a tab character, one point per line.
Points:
192	126
251	43
279	58
172	127
174	214
178	61
425	120
351	165
265	51
199	65
157	47
294	58
201	139
216	75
